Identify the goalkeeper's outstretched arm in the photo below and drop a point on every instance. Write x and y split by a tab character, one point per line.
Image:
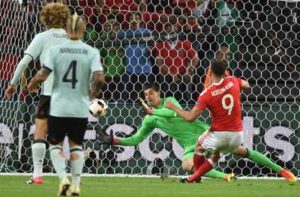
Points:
137	138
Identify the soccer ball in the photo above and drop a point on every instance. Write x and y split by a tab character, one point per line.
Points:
98	108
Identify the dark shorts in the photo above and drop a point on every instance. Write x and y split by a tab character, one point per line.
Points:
43	107
59	127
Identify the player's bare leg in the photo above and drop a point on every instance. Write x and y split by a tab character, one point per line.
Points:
187	164
263	160
38	149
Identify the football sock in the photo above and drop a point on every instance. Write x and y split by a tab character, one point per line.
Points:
58	161
261	159
198	160
204	168
77	162
38	149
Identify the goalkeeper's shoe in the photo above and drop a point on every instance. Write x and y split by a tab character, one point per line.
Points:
74	190
289	176
35	181
63	187
230	177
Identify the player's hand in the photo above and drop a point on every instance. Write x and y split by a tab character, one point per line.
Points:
147	108
11	89
149	111
170	105
32	88
95	94
106	139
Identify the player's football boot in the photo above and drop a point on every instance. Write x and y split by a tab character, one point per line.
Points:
35	181
63	187
291	179
230	177
185	180
74	190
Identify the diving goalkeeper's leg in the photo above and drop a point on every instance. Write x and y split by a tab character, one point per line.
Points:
261	159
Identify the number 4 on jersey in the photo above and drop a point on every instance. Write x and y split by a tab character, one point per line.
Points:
71	79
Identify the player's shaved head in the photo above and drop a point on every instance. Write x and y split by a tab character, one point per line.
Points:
219	67
54	15
75	26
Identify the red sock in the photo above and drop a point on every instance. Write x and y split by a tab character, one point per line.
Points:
198	161
205	167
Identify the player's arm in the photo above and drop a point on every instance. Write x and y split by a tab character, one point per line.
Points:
244	84
165	112
162	112
44	72
31	53
145	129
186	115
98	78
12	88
97	83
38	78
137	138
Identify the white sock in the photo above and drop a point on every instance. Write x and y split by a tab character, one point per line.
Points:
76	164
58	161
38	149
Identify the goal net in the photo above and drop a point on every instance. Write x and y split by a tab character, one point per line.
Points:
172	43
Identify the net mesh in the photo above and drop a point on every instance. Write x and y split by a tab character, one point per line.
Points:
172	43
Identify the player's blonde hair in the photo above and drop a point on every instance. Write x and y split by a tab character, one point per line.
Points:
54	15
75	24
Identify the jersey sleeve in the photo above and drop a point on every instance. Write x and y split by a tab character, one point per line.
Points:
146	128
165	112
201	101
96	62
35	47
20	68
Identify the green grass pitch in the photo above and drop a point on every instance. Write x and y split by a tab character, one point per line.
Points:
14	186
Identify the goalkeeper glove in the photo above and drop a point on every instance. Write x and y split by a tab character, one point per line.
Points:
149	111
107	139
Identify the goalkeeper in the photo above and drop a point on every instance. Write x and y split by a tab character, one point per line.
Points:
185	133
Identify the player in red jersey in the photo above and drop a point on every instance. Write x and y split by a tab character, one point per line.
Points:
222	98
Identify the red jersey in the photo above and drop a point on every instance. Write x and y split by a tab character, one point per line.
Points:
223	101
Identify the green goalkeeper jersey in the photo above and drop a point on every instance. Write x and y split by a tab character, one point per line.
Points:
184	132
